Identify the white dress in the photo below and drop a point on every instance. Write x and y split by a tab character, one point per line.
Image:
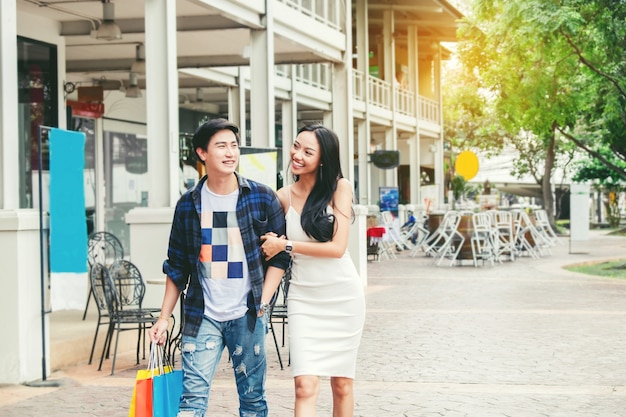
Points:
326	310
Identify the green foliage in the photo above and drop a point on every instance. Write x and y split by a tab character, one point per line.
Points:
546	77
594	171
458	186
609	269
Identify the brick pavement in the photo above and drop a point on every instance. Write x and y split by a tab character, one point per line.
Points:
521	339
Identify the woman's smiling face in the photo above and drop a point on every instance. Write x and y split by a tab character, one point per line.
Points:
305	154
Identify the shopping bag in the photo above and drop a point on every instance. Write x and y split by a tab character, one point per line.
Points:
166	391
141	401
143	397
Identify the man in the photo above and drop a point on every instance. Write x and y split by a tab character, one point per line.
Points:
214	252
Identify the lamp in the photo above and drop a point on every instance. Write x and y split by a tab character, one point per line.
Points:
133	90
108	29
139	66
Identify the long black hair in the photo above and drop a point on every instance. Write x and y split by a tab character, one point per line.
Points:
315	221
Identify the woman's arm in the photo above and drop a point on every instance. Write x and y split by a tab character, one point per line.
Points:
336	247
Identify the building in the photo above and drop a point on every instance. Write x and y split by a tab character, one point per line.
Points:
136	76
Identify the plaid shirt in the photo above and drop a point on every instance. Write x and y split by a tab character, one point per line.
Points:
258	212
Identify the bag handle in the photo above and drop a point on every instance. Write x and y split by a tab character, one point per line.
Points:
155	361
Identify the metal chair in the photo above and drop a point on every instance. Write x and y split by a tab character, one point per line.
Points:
131	289
278	312
446	241
104	248
502	222
527	237
483	238
97	289
542	223
122	317
394	234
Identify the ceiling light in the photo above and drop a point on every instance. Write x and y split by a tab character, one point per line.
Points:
133	90
139	66
108	29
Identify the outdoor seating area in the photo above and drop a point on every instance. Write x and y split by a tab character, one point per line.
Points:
118	289
477	237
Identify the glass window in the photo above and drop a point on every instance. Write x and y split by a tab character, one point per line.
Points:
37	106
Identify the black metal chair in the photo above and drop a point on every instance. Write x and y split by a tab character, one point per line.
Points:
131	289
104	248
97	290
122	317
278	312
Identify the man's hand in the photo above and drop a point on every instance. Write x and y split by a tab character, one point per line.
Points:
158	332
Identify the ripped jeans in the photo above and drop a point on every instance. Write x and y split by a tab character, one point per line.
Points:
201	356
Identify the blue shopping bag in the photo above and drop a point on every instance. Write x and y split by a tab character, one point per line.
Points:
166	391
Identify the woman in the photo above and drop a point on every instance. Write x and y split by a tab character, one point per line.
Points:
326	302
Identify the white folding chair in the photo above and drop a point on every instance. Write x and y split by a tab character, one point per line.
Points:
505	243
484	238
542	223
446	242
393	231
527	237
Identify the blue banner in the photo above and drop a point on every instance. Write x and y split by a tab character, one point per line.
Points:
68	226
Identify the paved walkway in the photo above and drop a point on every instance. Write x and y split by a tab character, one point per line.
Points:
521	339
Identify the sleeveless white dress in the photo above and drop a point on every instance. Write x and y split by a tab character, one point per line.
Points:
326	310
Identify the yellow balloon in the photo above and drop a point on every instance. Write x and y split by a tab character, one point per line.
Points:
466	165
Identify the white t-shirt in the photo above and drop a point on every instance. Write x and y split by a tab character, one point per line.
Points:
224	270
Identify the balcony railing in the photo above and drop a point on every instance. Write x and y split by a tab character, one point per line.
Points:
315	75
405	101
358	84
320	76
380	95
429	110
379	92
328	12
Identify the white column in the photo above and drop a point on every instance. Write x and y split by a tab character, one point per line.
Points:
414	168
100	182
162	103
357	243
262	106
21	358
390	175
290	126
237	105
364	134
342	114
439	169
391	140
9	136
414	143
363	162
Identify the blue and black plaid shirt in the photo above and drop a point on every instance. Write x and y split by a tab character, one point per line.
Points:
258	212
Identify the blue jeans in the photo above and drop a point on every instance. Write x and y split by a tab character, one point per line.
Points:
201	356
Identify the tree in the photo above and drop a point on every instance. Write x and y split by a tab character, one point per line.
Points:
543	66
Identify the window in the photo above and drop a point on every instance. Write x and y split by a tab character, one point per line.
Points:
37	106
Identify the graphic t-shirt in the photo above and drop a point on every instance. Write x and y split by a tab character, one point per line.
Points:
224	270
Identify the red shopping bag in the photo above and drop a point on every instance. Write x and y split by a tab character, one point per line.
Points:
141	404
143	397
